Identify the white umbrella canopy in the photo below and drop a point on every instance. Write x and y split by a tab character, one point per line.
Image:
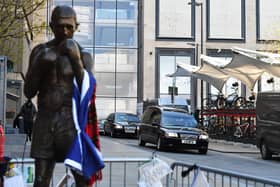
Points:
240	67
246	66
206	72
269	62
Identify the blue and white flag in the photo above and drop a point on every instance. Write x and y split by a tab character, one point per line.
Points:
83	156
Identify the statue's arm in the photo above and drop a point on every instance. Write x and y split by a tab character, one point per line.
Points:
70	48
87	61
39	64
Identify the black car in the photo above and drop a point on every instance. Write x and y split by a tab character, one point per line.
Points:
121	123
101	126
170	127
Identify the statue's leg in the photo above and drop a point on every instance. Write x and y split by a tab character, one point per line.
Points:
43	172
79	180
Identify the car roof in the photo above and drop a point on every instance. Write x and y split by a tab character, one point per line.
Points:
127	113
171	109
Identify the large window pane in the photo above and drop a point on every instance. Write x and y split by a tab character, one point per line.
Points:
105	60
84	34
174	19
269	19
105	10
226	22
105	84
126	85
127	10
126	105
127	60
84	10
168	66
63	2
104	107
127	35
265	86
105	35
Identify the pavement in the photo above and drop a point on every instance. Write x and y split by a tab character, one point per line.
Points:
231	147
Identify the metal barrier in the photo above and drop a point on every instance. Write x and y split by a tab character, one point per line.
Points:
123	172
118	172
216	178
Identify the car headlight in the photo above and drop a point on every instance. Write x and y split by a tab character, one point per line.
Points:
118	127
203	137
171	134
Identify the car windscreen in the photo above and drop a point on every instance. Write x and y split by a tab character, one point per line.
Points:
178	119
127	118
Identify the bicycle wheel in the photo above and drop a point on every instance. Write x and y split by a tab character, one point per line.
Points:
208	103
239	102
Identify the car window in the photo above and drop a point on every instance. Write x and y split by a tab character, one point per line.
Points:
127	118
178	119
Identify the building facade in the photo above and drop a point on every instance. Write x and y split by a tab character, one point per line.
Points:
135	44
180	31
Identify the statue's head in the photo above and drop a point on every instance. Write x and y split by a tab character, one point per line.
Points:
63	22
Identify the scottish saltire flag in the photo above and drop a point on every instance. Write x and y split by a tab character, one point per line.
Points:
83	156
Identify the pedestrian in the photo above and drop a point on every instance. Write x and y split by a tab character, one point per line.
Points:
52	67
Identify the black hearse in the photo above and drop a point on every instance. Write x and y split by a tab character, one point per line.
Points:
268	123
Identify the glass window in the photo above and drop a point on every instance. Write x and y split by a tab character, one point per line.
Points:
62	2
267	85
105	10
127	10
269	18
84	34
104	106
105	35
226	22
174	19
126	105
168	66
126	84
127	35
105	60
123	117
127	60
106	84
84	10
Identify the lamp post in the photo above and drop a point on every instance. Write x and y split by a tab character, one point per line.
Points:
200	4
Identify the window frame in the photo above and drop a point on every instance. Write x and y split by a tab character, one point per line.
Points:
243	25
157	26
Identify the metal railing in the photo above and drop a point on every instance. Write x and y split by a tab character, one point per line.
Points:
216	178
123	172
118	172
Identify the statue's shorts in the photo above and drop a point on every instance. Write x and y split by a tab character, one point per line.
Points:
53	134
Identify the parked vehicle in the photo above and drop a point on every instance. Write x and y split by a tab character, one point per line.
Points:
121	123
268	123
170	127
101	126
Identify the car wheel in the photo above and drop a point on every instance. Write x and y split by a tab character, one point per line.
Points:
203	151
265	152
159	144
140	141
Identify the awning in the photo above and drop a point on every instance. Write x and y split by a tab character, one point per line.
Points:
206	72
240	67
246	66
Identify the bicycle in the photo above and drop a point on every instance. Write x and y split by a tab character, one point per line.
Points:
214	101
233	101
245	129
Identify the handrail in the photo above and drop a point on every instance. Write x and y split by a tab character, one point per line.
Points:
229	173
